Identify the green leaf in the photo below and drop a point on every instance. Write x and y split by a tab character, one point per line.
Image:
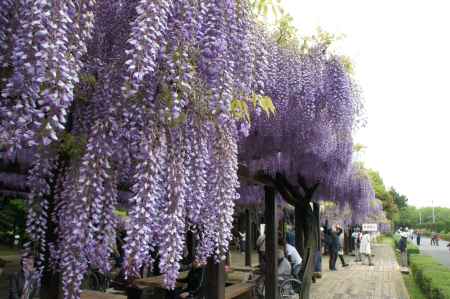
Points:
239	109
121	213
266	104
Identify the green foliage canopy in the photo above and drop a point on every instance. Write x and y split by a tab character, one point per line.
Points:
387	198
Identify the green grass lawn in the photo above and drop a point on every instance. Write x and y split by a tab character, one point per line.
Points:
413	288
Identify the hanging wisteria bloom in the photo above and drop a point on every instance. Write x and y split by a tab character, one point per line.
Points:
155	99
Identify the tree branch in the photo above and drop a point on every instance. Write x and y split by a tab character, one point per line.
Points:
281	187
285	182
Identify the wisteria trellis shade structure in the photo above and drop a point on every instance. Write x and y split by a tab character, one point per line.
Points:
318	107
305	150
138	95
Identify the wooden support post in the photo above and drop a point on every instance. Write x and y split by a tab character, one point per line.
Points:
316	212
283	225
271	280
352	244
346	241
215	280
299	236
254	234
190	243
249	238
308	259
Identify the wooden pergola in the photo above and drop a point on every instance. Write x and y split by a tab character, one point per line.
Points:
307	232
306	225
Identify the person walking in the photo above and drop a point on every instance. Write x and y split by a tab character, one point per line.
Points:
365	248
418	238
333	249
402	246
340	235
242	239
356	235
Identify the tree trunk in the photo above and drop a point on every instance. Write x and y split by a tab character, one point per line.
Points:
299	229
312	231
271	270
215	280
248	241
190	243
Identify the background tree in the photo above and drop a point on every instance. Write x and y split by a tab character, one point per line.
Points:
389	205
400	200
12	219
411	216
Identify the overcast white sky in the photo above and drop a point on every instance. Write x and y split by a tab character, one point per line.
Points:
400	49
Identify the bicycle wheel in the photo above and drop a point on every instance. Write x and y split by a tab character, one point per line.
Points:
260	288
290	288
90	282
104	281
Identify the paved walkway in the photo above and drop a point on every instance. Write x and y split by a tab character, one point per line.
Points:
382	281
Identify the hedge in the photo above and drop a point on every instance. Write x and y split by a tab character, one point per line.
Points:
412	248
432	277
445	236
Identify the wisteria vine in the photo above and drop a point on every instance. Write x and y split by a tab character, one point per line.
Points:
141	96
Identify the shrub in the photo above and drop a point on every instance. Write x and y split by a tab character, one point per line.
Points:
412	248
446	237
432	277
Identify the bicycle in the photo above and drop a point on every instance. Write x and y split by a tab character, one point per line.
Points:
286	288
290	287
96	281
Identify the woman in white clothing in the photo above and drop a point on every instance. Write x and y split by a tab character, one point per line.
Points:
365	247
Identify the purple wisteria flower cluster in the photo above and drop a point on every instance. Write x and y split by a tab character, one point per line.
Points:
132	95
318	108
137	95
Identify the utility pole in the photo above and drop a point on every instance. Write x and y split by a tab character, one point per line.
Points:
420	217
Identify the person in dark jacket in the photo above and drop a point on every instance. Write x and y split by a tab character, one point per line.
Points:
402	246
318	258
195	281
23	285
340	236
418	236
333	249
